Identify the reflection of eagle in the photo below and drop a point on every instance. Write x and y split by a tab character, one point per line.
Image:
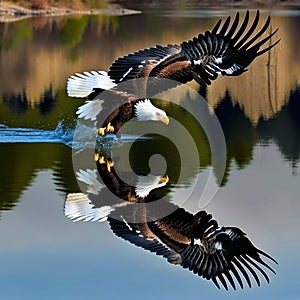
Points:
227	50
100	199
221	254
107	188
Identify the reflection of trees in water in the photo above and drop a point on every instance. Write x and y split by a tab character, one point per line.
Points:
67	32
239	134
242	136
16	103
10	36
19	102
59	48
72	31
47	102
63	171
19	166
284	129
21	162
15	174
63	42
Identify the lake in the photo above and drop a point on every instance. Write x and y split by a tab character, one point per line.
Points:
255	187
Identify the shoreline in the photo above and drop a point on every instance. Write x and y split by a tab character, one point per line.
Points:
12	13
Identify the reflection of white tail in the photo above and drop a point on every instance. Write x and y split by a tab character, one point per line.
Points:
89	177
78	207
81	85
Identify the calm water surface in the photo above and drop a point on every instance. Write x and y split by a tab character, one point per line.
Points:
44	255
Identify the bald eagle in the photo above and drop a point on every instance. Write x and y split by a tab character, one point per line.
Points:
120	106
226	50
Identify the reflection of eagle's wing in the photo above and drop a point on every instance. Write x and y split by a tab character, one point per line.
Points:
136	234
212	252
227	51
197	243
228	253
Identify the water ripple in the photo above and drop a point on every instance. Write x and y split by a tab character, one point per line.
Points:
32	135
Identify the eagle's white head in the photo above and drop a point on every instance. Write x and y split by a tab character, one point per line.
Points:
146	111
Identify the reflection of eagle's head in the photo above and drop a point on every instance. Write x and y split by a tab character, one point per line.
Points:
146	111
146	184
80	206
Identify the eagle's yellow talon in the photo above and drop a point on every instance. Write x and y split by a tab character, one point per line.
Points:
109	164
110	128
101	131
101	160
96	157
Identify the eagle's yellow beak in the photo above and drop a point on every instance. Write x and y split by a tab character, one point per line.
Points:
164	179
165	120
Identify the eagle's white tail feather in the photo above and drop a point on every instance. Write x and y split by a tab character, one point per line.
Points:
90	109
78	207
82	84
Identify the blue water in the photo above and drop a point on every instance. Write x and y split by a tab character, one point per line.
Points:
60	134
32	135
